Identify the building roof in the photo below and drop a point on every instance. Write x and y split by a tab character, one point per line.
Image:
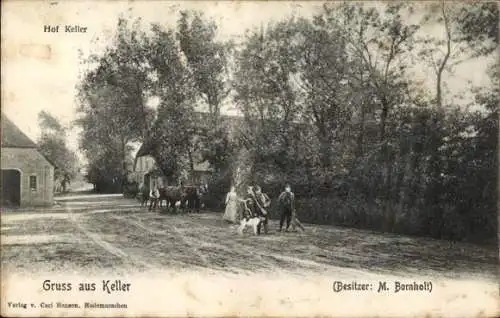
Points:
13	137
144	150
232	122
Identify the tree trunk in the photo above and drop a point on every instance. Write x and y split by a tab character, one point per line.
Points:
386	170
361	135
435	188
191	163
440	71
325	154
404	181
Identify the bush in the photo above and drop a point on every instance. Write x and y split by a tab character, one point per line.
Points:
357	202
218	188
130	190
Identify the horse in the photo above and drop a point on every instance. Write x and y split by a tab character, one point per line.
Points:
192	198
171	194
188	196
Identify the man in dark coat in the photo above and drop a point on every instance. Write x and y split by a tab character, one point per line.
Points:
154	196
286	202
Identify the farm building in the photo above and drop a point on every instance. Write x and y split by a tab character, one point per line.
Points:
146	171
27	175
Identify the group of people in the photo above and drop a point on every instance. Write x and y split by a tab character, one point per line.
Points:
254	205
249	210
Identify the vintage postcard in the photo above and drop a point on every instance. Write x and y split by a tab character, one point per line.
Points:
249	158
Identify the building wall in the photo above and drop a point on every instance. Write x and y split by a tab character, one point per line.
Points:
144	165
200	177
31	163
147	163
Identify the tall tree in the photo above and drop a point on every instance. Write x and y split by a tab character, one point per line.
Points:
112	109
378	41
207	58
469	31
173	83
53	145
265	93
323	76
462	41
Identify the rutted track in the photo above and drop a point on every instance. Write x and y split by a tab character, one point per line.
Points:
241	251
97	238
187	241
135	239
320	249
190	252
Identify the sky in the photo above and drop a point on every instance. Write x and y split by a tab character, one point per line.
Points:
40	69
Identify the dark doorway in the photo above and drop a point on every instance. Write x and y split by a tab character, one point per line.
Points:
11	187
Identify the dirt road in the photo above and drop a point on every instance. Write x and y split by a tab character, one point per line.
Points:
96	233
206	269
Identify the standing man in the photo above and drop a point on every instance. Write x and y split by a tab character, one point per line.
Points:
286	201
154	196
262	201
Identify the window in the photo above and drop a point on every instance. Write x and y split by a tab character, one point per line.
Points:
33	183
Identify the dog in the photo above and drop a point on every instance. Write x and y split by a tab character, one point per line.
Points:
249	220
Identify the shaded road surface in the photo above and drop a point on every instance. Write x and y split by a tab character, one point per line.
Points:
91	235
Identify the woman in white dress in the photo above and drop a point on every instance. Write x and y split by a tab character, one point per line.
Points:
231	212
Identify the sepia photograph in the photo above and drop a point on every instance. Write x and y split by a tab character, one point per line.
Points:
249	159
